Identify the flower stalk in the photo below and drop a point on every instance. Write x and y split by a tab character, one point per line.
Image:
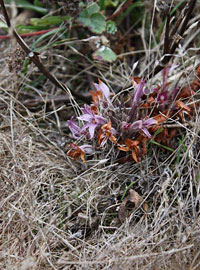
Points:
126	125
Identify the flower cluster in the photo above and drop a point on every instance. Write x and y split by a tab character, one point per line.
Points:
126	122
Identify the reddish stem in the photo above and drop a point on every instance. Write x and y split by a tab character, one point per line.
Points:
120	10
29	34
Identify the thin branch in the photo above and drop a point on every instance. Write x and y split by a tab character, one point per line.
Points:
35	59
188	124
178	21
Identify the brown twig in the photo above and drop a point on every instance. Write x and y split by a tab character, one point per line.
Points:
168	56
35	58
120	10
188	124
178	21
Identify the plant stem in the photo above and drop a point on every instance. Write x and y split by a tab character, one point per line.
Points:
29	34
120	10
167	57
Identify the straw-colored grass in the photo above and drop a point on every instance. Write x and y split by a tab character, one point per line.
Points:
56	213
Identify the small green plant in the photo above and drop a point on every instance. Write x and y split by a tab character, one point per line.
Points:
92	18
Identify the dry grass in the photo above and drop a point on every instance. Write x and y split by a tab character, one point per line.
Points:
58	214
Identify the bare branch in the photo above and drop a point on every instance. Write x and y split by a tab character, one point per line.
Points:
167	57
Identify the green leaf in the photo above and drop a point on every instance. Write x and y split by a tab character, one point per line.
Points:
92	8
22	29
81	5
84	19
98	23
102	4
38	3
26	5
50	20
126	190
113	3
91	18
161	145
104	54
158	131
3	25
111	27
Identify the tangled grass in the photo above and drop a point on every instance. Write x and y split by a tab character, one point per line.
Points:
60	214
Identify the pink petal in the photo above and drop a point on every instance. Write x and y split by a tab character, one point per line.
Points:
86	117
104	89
91	127
149	122
146	132
87	110
85	126
75	129
92	130
100	119
137	125
139	91
86	148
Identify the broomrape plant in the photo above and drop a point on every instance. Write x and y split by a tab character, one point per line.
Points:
127	123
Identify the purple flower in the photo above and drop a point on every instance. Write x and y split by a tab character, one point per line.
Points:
103	88
162	97
93	120
138	91
125	125
143	124
139	125
107	133
163	94
76	151
86	148
75	129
